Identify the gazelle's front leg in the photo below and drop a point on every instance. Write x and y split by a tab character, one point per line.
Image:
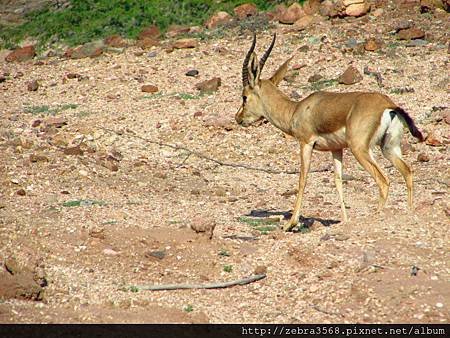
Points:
305	154
337	158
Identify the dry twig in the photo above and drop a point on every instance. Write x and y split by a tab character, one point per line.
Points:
205	157
222	285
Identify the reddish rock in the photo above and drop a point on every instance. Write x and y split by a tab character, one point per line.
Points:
311	7
350	76
36	123
115	41
73	76
245	10
209	85
38	158
74	150
292	14
149	89
304	22
32	86
446	116
21	54
372	45
90	49
411	34
147	43
329	8
432	140
423	157
151	32
357	9
175	30
277	12
21	192
56	122
218	19
185	43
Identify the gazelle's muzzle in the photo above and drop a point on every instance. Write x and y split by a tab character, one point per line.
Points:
238	117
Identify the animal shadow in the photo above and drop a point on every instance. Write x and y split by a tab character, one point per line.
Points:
304	222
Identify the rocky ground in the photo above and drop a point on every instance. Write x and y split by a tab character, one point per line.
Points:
116	170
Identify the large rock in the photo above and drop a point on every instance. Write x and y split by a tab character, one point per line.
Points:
209	85
356	7
115	41
350	76
330	8
277	12
304	22
21	54
175	30
311	6
292	14
411	34
90	49
218	19
147	43
151	32
245	10
185	43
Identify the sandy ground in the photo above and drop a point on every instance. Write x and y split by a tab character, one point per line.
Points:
86	232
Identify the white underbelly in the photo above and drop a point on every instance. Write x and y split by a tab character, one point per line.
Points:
331	141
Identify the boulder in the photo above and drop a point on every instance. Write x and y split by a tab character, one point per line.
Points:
21	54
218	19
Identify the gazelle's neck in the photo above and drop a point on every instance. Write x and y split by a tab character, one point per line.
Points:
278	108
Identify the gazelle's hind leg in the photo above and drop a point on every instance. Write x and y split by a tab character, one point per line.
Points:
364	157
392	151
363	132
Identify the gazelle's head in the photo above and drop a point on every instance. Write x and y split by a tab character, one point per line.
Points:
256	90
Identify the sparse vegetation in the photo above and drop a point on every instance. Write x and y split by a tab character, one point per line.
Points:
224	253
87	20
228	268
188	308
45	109
82	203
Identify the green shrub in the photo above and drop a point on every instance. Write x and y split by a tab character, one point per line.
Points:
87	20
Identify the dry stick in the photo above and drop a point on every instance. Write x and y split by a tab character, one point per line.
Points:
331	313
200	155
243	281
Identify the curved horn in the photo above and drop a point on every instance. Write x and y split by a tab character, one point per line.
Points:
247	58
267	53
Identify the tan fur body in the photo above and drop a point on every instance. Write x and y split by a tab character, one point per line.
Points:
328	121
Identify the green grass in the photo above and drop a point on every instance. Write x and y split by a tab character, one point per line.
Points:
228	268
188	308
224	253
82	203
264	225
87	20
45	109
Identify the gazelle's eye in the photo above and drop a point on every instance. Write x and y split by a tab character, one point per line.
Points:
244	98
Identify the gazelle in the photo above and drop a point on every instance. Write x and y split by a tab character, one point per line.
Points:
328	121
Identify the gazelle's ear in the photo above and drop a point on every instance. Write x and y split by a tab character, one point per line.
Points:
280	73
253	70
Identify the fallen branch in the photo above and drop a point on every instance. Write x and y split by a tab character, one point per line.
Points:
205	157
330	313
243	281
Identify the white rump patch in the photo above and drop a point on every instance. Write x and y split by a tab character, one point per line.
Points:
389	133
